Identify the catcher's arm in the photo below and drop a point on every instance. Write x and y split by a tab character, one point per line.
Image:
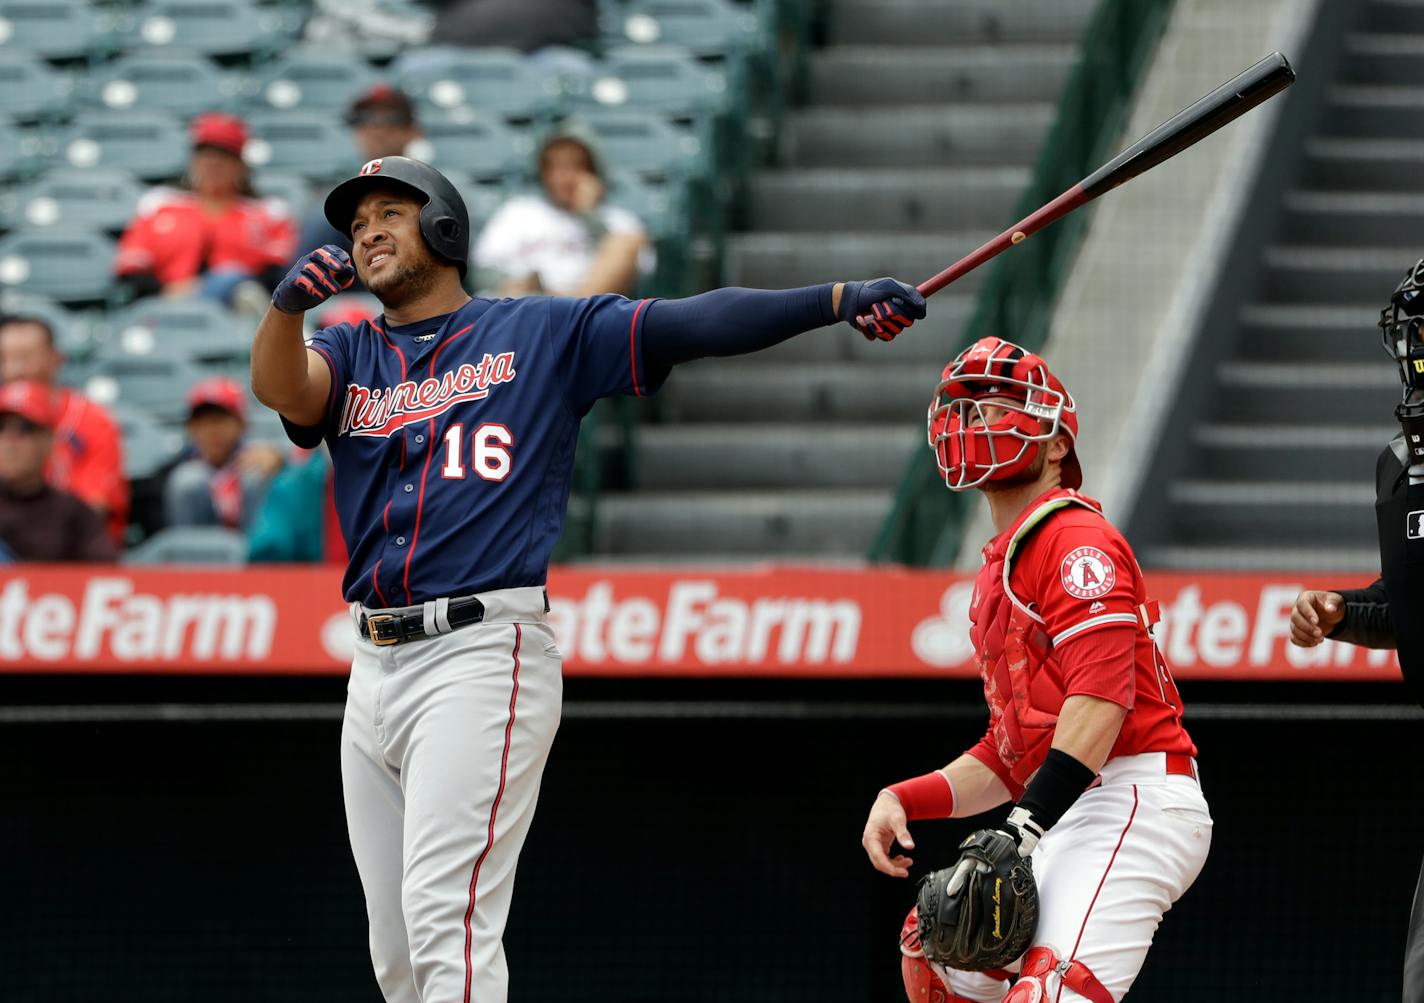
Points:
968	788
1087	728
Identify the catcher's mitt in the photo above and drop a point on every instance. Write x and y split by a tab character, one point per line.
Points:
981	913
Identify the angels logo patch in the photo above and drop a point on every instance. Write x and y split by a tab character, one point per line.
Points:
1087	573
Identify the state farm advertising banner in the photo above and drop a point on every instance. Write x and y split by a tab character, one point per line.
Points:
770	621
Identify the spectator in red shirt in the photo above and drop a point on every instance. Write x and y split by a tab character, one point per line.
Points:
225	480
87	458
214	238
37	521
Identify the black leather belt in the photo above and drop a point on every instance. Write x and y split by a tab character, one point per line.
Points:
397	628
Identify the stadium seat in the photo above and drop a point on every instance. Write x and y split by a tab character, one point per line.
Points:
181	83
153	384
706	27
190	545
197	330
23	151
494	81
661	207
148	445
657	78
314	80
151	145
315	146
212	27
29	89
478	145
643	143
97	199
58	29
481	199
290	188
70	266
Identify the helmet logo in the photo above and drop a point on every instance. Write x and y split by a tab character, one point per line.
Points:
370	167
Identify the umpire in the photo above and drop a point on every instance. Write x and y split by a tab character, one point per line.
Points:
1390	612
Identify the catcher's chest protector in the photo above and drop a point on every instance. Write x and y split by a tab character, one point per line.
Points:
1022	682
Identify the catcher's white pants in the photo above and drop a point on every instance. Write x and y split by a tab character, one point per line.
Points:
442	748
1107	872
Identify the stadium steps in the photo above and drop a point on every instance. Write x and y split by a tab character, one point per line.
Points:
922	123
1278	470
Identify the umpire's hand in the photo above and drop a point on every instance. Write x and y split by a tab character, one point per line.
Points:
1315	615
880	308
315	278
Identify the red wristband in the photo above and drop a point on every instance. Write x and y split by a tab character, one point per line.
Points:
929	796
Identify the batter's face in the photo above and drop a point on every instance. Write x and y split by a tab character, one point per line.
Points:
390	255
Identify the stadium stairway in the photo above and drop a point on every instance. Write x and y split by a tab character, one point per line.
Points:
922	122
1279	471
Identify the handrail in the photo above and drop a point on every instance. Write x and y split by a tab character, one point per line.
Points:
926	521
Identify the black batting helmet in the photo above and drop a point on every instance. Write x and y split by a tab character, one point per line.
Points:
444	221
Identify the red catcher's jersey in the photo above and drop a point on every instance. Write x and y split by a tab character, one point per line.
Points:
1060	574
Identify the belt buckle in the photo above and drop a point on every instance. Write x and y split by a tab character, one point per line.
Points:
372	626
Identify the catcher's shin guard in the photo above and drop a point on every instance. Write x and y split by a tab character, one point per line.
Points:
1039	963
922	985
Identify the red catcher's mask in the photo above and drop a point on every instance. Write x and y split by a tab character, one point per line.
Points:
969	449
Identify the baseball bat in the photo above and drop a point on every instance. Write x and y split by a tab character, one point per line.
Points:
1229	101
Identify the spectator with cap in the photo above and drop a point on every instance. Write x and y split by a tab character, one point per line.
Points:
214	237
383	124
223	480
38	522
565	240
86	458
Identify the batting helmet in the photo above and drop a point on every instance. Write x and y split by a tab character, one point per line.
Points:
968	448
444	221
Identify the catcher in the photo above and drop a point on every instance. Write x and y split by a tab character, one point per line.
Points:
1109	826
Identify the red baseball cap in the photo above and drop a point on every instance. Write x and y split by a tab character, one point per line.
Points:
218	391
28	399
220	130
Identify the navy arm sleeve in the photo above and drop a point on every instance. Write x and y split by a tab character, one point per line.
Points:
1367	621
731	321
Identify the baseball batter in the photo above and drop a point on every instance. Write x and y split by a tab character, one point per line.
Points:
451	424
1085	729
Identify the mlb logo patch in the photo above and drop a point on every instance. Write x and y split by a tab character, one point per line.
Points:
1414	525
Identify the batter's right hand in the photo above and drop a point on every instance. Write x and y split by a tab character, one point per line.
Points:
1315	615
315	278
886	825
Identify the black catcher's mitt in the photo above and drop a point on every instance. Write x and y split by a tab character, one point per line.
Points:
981	913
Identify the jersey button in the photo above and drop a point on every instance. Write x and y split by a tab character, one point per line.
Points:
409	488
418	439
400	541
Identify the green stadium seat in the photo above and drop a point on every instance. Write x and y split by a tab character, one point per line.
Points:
481	198
212	27
480	146
23	151
151	145
662	208
58	29
181	83
292	189
154	384
148	445
313	145
71	266
657	78
190	545
705	27
99	199
29	89
493	81
312	79
643	143
199	331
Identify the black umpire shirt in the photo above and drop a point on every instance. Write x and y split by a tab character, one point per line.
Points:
1389	613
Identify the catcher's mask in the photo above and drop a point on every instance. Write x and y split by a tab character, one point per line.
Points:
968	448
1400	330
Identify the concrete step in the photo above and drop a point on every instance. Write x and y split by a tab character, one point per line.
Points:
1289	556
1373	111
1364	164
1353	217
1392	17
825	521
932	342
937	76
1377	58
956	22
1285	452
1315	333
783	260
1325	274
716	390
1350	393
887	198
906	136
673	457
1266	513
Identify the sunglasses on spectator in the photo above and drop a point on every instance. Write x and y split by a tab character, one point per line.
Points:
19	426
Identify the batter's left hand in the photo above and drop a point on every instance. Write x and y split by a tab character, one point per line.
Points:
880	308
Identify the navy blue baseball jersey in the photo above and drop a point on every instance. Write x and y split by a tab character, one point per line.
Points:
452	439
